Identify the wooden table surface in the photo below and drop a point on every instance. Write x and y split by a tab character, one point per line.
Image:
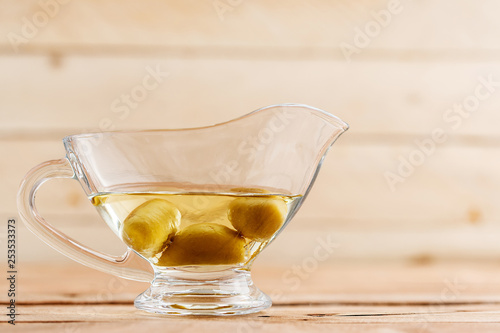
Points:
341	297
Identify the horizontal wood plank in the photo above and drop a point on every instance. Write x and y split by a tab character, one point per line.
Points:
230	326
383	102
454	186
255	24
299	241
340	282
446	209
364	297
278	314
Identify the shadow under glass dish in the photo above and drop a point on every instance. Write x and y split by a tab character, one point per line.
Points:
195	205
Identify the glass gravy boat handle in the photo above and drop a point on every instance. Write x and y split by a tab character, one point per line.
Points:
128	266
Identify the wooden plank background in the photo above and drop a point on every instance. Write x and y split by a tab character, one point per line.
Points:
398	89
342	297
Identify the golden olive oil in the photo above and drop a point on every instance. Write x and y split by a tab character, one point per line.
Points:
175	228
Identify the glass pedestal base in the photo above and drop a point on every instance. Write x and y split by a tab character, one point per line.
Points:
219	293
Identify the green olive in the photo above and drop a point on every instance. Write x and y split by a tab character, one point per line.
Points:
257	218
150	226
204	244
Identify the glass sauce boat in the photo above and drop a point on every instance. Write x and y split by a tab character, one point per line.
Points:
194	206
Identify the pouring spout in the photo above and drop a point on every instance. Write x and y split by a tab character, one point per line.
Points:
335	121
310	126
290	140
335	125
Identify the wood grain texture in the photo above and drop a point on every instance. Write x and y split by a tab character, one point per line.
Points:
389	102
442	210
455	186
444	297
394	93
295	24
285	325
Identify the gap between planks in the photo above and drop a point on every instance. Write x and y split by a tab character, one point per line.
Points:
291	304
282	53
8	135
